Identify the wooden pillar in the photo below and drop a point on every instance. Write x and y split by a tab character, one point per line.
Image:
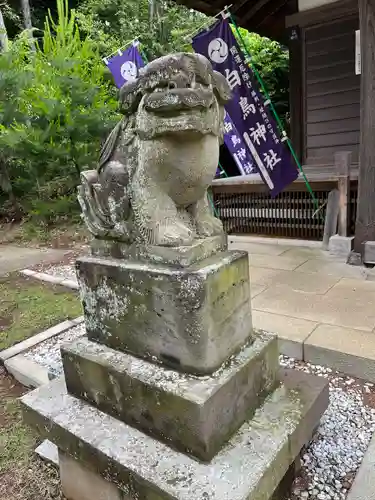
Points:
27	22
342	164
296	90
365	223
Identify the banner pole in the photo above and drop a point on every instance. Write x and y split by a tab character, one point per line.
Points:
285	138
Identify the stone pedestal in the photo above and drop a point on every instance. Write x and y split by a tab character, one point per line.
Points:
172	395
191	318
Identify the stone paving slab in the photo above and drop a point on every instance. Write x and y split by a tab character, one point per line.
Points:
310	253
358	288
346	350
335	310
276	261
262	276
314	283
292	332
256	290
250	467
13	258
258	248
339	269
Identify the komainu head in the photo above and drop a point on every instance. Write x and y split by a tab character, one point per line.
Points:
177	93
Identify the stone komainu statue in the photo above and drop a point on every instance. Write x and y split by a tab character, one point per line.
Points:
156	165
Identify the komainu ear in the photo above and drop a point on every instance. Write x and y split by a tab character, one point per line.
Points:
221	87
129	97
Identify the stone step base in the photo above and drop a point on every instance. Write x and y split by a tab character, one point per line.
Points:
249	467
196	415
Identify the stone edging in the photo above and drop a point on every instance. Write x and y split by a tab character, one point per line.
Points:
49	278
273	241
38	338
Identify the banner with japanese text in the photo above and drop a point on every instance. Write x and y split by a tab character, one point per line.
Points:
237	148
252	120
125	65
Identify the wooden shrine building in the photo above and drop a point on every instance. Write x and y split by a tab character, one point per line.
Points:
332	109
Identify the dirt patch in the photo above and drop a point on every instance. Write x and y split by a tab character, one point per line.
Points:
69	236
29	306
23	476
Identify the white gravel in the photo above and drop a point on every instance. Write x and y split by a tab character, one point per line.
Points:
331	461
48	354
67	272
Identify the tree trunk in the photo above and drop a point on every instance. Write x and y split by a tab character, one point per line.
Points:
27	21
365	223
3	35
6	187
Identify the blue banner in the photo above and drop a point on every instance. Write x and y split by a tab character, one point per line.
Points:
237	148
254	125
125	66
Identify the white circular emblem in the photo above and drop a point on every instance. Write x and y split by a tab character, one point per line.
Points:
218	50
129	71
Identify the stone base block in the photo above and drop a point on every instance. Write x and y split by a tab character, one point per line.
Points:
194	415
341	245
369	252
191	319
249	467
171	256
80	483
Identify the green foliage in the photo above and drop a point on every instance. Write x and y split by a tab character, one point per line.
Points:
58	103
272	62
161	26
56	107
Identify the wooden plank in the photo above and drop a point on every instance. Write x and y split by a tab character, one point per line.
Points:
338	99
336	10
331	71
342	162
333	113
332	127
330	26
338	44
320	61
365	223
341	84
333	140
332	40
330	151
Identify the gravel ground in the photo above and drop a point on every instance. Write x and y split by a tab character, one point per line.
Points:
48	353
67	271
331	461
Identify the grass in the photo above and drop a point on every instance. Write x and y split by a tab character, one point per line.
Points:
70	235
28	307
23	476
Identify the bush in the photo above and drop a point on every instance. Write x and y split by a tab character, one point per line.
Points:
56	107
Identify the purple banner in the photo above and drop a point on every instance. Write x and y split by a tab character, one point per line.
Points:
237	148
254	123
125	66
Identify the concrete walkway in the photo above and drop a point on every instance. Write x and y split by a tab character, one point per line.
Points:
13	258
322	309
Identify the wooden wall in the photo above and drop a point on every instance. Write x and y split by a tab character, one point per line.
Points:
331	103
